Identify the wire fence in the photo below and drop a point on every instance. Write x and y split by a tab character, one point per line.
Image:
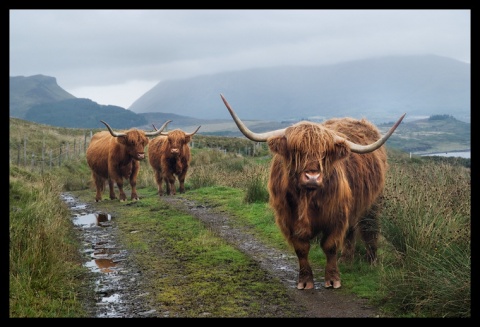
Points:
30	154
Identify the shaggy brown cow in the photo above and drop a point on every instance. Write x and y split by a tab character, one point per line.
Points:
169	155
325	180
115	156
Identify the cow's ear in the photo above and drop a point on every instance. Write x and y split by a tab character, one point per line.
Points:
341	150
278	145
187	139
122	140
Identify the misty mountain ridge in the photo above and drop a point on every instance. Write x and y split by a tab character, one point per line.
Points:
380	89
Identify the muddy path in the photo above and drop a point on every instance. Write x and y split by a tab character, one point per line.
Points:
119	291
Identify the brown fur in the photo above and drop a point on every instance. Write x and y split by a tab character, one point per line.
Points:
343	200
115	159
170	156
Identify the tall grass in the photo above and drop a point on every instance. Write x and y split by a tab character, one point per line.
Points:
426	220
45	269
256	184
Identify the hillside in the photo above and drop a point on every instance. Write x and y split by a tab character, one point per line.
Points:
379	88
83	113
438	133
441	133
26	92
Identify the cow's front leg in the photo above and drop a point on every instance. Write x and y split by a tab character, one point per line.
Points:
181	182
133	181
305	275
159	180
134	195
170	181
123	196
99	185
111	187
329	246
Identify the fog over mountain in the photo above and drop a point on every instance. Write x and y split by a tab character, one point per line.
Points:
380	89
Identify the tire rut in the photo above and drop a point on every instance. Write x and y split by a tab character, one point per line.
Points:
318	302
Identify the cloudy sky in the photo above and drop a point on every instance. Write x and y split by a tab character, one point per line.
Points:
113	57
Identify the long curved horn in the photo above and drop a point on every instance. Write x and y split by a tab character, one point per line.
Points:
191	134
111	130
187	134
158	131
358	148
258	137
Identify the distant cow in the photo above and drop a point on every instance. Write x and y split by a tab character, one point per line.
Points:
326	179
169	155
114	156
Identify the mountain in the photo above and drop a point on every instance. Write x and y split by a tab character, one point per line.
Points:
380	89
34	90
39	99
83	113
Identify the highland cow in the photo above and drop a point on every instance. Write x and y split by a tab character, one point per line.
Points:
326	181
169	155
115	156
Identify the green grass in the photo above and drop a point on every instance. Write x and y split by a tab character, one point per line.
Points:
198	273
261	218
46	277
424	267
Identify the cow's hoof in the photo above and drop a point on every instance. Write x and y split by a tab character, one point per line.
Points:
336	284
305	286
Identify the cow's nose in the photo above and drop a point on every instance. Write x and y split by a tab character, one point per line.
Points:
141	156
175	150
312	178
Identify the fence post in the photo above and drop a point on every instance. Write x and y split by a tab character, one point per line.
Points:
18	155
25	151
43	154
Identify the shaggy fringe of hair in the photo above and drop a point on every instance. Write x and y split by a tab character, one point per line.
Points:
310	142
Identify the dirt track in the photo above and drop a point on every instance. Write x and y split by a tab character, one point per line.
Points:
119	292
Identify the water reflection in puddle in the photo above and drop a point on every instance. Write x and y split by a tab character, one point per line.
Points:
102	265
92	220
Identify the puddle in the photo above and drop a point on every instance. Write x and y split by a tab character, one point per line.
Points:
97	234
102	265
92	219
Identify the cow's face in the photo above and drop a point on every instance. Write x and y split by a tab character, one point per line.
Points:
135	142
177	141
309	153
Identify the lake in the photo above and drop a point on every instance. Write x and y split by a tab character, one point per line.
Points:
461	154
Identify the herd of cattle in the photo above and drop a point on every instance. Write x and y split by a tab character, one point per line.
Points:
326	180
